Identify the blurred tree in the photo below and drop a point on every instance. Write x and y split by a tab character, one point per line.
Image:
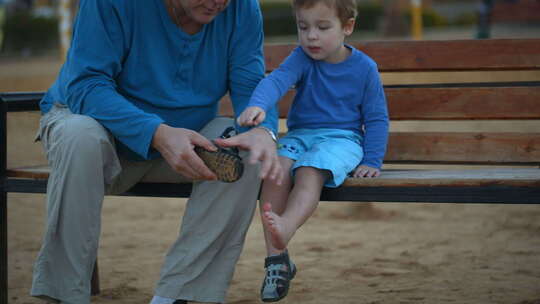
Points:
394	22
67	11
22	5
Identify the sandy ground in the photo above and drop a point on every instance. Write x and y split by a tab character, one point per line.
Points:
346	253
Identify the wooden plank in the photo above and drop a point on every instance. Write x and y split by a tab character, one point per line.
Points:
522	177
464	147
463	103
427	103
441	55
394	178
387	188
32	172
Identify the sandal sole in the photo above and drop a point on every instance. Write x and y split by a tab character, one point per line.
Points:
227	166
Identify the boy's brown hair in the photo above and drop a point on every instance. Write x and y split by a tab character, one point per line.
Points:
345	9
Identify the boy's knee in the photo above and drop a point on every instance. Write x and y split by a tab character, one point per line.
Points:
309	174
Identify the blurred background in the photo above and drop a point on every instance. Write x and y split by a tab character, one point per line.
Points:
36	34
438	252
42	27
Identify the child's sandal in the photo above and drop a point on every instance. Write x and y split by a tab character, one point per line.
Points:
280	270
225	163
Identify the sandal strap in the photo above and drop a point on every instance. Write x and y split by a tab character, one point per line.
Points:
275	274
279	261
278	275
227	133
282	258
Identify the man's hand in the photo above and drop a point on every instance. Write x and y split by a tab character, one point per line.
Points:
262	148
366	171
176	146
252	116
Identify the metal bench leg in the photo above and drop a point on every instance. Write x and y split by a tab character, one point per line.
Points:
95	280
3	205
3	246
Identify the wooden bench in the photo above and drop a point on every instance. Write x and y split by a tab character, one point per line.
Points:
420	166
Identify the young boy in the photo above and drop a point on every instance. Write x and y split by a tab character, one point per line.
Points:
338	124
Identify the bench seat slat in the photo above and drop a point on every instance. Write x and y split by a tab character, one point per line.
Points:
526	177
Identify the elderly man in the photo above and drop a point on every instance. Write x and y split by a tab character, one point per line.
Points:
138	93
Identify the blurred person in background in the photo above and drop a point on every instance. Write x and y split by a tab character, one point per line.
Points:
2	21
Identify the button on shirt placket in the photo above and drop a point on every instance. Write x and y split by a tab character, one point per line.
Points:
182	78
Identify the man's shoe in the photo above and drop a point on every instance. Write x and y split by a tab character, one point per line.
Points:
180	302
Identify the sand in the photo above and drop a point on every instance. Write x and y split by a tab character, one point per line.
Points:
346	253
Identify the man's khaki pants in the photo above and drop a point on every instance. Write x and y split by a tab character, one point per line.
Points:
85	166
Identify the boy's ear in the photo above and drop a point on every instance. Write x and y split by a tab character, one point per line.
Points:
348	27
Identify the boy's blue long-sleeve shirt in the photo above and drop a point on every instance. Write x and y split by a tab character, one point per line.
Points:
347	95
131	68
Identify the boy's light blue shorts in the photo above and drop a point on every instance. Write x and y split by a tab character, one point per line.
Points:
338	151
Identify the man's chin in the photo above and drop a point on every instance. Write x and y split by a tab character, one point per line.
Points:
205	19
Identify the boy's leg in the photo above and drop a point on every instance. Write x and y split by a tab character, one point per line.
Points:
276	196
301	204
280	227
200	264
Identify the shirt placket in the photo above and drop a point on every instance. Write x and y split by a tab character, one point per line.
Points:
182	78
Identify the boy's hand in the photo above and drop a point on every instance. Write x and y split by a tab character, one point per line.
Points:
365	171
252	116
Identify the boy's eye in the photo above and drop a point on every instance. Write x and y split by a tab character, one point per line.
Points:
323	28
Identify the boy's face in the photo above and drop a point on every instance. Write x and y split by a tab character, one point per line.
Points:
321	33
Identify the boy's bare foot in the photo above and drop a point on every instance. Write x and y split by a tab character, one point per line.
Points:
280	233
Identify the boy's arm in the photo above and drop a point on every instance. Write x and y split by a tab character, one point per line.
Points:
272	88
376	122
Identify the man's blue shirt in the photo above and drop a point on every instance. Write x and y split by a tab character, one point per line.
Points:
347	95
131	68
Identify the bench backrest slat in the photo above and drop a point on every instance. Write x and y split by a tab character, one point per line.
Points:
418	103
464	103
448	55
464	147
